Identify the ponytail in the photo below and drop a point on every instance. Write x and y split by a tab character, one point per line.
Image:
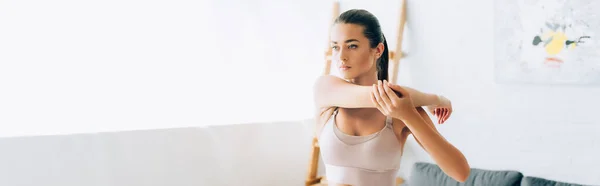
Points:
382	63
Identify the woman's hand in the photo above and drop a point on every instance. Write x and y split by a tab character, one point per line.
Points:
386	99
442	111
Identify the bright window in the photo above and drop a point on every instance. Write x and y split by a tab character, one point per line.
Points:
82	66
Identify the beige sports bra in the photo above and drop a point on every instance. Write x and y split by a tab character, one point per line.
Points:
360	160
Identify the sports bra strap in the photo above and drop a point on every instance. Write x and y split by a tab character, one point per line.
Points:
388	120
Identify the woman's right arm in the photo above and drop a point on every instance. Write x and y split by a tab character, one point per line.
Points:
332	91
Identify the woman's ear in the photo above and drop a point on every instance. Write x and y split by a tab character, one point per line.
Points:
380	49
376	53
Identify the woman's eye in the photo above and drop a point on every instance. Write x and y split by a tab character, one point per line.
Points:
334	47
352	46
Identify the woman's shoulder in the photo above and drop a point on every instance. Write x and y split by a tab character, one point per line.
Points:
322	117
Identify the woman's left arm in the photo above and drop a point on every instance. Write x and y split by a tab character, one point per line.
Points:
447	157
421	99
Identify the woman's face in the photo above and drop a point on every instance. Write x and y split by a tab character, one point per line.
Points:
352	52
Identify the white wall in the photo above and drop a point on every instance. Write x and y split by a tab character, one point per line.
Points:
546	131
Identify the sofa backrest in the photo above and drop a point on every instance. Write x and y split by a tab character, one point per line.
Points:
535	181
427	174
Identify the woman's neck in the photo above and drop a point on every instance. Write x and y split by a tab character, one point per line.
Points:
366	79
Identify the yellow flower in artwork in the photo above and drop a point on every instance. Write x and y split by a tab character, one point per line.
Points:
557	42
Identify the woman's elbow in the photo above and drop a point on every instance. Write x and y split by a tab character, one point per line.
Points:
462	174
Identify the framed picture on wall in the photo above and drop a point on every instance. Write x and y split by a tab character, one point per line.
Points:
547	41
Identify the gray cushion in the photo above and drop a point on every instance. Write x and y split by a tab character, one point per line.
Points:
427	174
535	181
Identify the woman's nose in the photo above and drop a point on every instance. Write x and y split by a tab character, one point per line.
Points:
341	55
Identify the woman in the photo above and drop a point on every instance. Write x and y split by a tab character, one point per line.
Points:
363	123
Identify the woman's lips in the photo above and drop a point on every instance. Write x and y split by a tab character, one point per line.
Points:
344	67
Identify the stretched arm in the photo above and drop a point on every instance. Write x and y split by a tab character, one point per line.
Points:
332	91
448	157
422	98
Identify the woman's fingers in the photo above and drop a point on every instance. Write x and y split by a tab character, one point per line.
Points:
397	88
440	116
446	111
438	111
383	94
448	115
379	103
391	94
374	99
